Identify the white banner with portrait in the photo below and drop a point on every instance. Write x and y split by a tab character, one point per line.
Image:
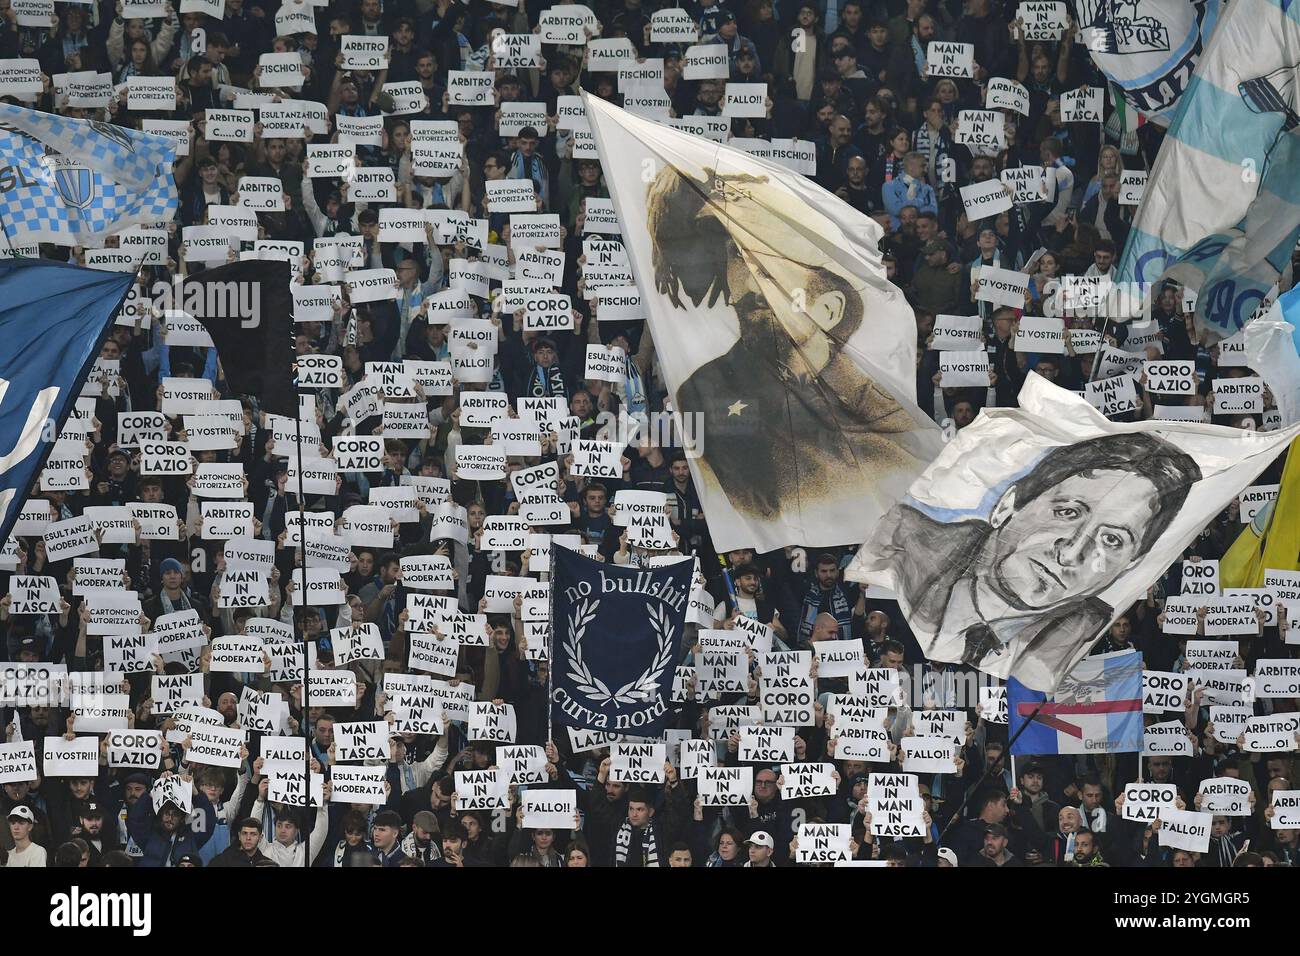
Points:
1037	526
790	356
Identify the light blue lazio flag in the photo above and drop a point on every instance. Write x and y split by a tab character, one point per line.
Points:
52	320
1147	48
72	182
1221	211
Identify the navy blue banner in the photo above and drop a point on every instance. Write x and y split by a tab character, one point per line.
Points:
53	318
615	649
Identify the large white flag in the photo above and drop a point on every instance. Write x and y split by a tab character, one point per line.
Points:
778	335
1036	527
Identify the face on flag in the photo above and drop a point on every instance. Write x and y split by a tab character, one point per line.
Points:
1014	548
776	328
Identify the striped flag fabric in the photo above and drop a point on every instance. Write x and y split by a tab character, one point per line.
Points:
1221	209
1148	49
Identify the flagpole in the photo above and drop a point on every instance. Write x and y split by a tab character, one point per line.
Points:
1101	344
550	647
308	821
997	764
731	586
9	242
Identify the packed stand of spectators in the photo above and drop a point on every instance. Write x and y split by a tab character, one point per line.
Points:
849	76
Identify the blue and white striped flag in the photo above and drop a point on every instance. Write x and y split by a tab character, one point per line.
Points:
72	182
1147	48
1221	211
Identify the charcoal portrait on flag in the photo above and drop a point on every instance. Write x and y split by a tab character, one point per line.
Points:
722	238
617	637
776	328
1014	549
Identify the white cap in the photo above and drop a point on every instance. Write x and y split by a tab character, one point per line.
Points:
25	813
761	838
947	854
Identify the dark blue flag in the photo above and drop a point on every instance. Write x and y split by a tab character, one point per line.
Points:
617	634
53	318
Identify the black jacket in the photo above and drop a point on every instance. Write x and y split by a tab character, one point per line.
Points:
234	856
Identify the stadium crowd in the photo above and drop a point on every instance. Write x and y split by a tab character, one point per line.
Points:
848	76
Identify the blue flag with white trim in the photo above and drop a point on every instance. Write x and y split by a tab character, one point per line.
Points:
616	642
73	182
53	318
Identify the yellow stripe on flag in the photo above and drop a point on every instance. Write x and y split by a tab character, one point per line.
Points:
1272	539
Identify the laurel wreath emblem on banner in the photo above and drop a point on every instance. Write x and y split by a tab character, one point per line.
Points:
592	686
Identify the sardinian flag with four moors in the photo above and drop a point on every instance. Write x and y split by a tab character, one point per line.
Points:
614	650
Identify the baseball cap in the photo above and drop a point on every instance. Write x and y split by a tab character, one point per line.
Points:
947	854
22	813
995	829
25	642
761	838
934	245
426	821
91	809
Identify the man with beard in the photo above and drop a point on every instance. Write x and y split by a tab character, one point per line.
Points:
647	835
1086	852
828	594
750	602
168	835
100	839
606	809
